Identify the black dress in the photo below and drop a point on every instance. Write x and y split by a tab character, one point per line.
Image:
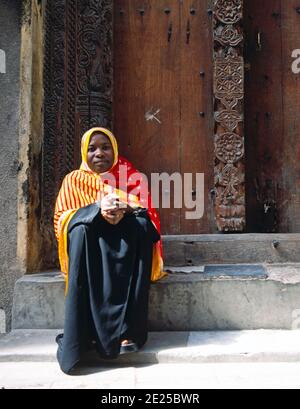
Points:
109	279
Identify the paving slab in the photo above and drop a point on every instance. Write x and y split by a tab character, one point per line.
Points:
168	347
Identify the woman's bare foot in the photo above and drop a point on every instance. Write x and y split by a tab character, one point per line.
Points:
126	342
128	346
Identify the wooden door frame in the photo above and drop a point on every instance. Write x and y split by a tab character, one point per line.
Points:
45	155
78	88
230	208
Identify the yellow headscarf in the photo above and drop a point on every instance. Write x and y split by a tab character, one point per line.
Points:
85	145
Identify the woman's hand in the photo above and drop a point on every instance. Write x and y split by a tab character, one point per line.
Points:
112	202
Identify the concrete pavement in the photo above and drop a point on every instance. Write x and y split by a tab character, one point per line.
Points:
25	375
185	360
168	347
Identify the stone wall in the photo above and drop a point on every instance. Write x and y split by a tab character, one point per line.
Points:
10	39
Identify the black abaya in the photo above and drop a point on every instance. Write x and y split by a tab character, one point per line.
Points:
109	279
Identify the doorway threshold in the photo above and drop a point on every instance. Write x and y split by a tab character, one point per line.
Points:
248	248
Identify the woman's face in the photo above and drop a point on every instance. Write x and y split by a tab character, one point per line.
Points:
100	156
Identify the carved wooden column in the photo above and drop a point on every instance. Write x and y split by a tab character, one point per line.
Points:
54	144
229	104
78	88
94	63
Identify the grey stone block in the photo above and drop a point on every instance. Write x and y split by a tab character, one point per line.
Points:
39	302
182	302
199	302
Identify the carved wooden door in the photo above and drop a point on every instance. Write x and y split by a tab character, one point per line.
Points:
156	66
272	106
162	96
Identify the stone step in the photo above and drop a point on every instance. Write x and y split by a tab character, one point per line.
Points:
231	297
168	347
196	250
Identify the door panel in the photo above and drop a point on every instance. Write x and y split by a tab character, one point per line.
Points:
146	72
290	204
156	70
272	103
196	133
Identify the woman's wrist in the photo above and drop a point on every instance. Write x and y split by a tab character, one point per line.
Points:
113	216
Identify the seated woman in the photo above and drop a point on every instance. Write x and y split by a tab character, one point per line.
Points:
109	250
